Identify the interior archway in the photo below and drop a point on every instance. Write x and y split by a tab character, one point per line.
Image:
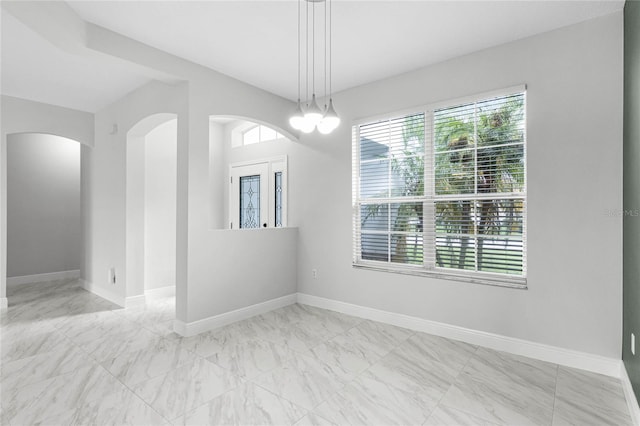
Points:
44	213
151	207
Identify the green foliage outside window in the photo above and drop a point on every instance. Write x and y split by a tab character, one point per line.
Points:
479	186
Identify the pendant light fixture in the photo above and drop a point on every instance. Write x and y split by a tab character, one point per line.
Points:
306	119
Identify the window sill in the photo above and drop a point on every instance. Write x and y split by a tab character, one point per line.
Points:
484	279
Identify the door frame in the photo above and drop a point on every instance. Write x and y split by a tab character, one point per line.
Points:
267	168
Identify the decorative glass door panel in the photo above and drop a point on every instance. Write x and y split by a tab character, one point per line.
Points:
250	201
248	208
278	199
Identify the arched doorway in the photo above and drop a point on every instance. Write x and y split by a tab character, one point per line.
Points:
248	173
44	213
151	207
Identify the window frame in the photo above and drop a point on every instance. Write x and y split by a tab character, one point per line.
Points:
260	140
429	199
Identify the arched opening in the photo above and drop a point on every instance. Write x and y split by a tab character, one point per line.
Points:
248	173
151	208
44	213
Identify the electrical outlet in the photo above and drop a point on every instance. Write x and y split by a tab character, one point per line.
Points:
633	343
314	274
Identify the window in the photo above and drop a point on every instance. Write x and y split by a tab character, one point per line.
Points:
258	194
443	192
259	133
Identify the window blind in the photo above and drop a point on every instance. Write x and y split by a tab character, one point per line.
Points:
391	190
479	174
443	190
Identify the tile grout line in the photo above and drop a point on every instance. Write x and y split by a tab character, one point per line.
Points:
42	354
131	390
453	382
64	336
357	375
120	381
555	395
135	395
307	412
162	338
94	361
92	365
312	411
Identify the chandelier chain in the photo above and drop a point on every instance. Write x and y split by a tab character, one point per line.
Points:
325	53
311	116
313	48
299	51
306	64
330	45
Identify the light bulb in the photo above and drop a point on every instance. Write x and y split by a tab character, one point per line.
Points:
307	126
297	119
330	121
313	114
325	128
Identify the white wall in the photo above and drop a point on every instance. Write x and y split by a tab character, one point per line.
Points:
242	268
43	204
193	103
135	213
217	179
574	113
231	99
24	116
231	269
108	169
160	206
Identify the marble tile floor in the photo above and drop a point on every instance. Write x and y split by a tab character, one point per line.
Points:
70	357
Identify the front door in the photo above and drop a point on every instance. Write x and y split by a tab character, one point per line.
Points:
249	196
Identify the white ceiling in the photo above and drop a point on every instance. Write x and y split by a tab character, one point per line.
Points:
255	41
34	69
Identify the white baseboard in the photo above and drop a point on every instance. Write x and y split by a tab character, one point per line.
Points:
4	303
206	324
131	301
630	396
167	291
567	357
37	278
141	299
105	294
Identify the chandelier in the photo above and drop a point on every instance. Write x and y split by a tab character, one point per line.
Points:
306	119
